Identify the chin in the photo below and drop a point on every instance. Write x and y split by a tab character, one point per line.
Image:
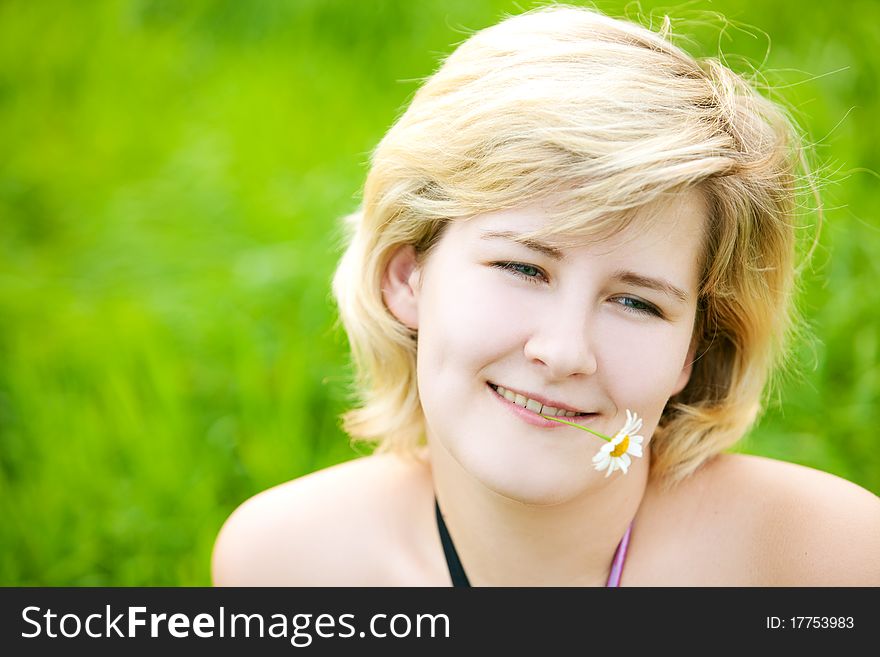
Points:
535	496
535	484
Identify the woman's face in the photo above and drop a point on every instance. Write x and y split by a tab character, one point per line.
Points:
605	328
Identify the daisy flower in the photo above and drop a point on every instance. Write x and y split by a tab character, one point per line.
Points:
617	452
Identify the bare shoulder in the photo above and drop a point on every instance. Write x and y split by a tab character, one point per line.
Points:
744	520
812	528
329	528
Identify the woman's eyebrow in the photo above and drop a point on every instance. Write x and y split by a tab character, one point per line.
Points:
623	275
534	245
658	284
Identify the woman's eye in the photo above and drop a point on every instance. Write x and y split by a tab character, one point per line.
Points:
535	275
638	306
520	270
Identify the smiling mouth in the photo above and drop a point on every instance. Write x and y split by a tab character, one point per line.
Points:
557	413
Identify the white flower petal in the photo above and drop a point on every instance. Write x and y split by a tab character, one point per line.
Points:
603	459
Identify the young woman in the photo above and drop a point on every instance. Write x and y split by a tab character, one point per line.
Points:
572	217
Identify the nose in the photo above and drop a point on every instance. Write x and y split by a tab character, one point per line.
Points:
565	342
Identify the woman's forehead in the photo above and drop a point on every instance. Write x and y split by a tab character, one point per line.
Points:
542	225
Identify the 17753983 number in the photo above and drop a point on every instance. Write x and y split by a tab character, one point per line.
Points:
810	622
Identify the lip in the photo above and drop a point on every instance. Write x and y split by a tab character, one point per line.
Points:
544	400
534	418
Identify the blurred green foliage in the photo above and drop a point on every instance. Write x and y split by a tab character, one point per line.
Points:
170	181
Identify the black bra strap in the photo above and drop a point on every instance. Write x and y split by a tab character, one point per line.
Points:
456	571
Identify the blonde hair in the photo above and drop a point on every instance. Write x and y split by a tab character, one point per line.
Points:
604	116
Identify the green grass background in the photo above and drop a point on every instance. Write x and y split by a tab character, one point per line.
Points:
171	174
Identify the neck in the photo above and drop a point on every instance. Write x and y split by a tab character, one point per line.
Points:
502	541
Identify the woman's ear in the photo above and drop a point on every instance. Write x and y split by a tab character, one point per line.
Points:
400	286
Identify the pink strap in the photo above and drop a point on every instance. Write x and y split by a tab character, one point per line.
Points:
619	558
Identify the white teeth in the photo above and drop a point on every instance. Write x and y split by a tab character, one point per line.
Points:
531	404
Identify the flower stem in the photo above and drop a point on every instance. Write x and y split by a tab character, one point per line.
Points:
578	426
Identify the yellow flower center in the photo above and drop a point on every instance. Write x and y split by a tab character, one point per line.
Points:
620	450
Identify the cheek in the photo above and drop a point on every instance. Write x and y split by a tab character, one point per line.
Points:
472	319
643	364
